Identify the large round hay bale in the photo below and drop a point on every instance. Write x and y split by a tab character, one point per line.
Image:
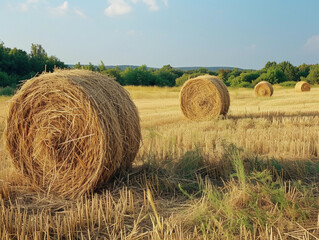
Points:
204	97
302	86
70	131
264	89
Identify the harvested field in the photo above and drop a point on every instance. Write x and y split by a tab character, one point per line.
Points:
250	175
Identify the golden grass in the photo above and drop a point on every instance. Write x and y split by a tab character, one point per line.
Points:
284	126
156	201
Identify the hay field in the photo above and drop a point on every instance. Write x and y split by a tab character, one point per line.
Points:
251	175
284	126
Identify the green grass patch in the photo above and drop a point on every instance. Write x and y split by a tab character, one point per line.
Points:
7	91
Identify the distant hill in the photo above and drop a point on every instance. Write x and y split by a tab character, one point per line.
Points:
214	69
123	67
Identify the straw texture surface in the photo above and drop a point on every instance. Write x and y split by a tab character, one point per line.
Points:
204	97
264	89
70	131
302	86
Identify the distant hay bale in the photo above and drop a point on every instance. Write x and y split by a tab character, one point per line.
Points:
204	97
70	131
264	89
302	86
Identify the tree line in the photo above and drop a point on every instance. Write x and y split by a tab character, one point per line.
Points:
17	65
283	73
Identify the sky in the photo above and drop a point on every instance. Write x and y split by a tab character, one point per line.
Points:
182	33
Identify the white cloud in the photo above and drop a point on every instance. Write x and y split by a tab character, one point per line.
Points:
131	32
32	1
121	7
59	10
27	5
152	5
80	13
312	44
40	5
117	7
165	3
23	7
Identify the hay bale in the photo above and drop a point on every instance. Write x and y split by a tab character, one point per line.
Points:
70	131
204	97
264	89
302	86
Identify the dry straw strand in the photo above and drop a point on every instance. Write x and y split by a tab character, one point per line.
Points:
204	97
302	86
70	131
264	89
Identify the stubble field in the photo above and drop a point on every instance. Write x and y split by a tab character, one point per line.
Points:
251	175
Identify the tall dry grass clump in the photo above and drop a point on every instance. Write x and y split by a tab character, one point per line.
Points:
302	86
204	97
264	89
71	131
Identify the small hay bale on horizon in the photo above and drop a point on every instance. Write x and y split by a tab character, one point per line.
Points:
204	97
70	131
264	89
302	86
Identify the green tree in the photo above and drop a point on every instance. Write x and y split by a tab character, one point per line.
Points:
4	79
223	74
303	70
16	64
5	59
289	70
77	66
202	70
273	76
20	62
269	65
182	79
101	67
90	67
53	62
245	79
234	72
116	74
313	76
249	76
38	51
138	76
38	58
166	76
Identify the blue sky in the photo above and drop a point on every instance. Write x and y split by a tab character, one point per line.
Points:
238	33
